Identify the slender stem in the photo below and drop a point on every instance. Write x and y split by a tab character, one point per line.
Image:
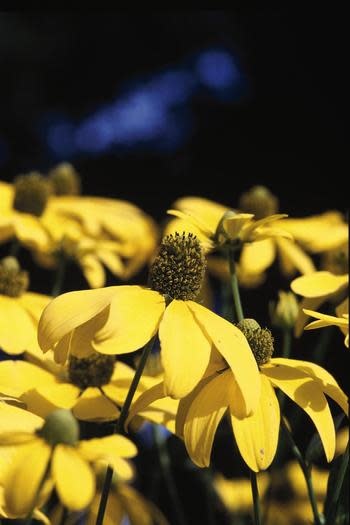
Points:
255	494
60	275
306	471
120	426
234	286
164	461
332	513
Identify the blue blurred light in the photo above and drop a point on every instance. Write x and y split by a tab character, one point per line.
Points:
152	113
216	69
60	139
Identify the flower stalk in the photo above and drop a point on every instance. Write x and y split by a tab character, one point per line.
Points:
120	426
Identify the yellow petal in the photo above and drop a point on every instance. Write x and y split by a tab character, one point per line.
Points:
306	303
257	434
306	393
181	225
133	320
73	477
257	256
92	405
196	222
250	228
292	258
62	395
185	350
16	377
234	348
13	438
80	343
204	416
34	303
70	310
93	270
107	448
319	284
324	320
234	223
12	314
25	476
145	400
16	419
325	380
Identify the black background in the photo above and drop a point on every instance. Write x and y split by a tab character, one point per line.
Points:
288	131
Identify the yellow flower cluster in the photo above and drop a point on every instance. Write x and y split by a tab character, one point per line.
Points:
199	368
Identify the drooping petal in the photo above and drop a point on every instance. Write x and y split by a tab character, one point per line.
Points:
16	377
257	434
17	330
143	402
93	270
185	349
326	381
204	416
73	477
306	393
14	419
257	256
61	395
107	448
25	476
70	310
234	348
319	284
133	320
92	405
292	258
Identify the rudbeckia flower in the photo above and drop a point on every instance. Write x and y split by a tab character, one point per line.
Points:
329	320
52	449
94	388
122	319
316	289
20	310
200	413
261	239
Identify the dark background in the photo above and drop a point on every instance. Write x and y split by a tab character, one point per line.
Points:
286	130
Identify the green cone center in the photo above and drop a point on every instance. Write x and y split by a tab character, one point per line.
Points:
13	281
32	192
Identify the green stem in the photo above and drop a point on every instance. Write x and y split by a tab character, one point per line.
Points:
306	471
60	275
332	513
120	426
255	494
234	286
165	465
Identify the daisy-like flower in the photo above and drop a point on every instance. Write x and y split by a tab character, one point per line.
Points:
122	319
20	310
200	413
22	205
93	388
316	289
316	234
329	320
52	449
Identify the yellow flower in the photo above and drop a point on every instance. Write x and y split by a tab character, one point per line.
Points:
26	227
52	448
122	319
121	227
283	494
200	413
262	239
329	320
19	310
316	289
93	388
